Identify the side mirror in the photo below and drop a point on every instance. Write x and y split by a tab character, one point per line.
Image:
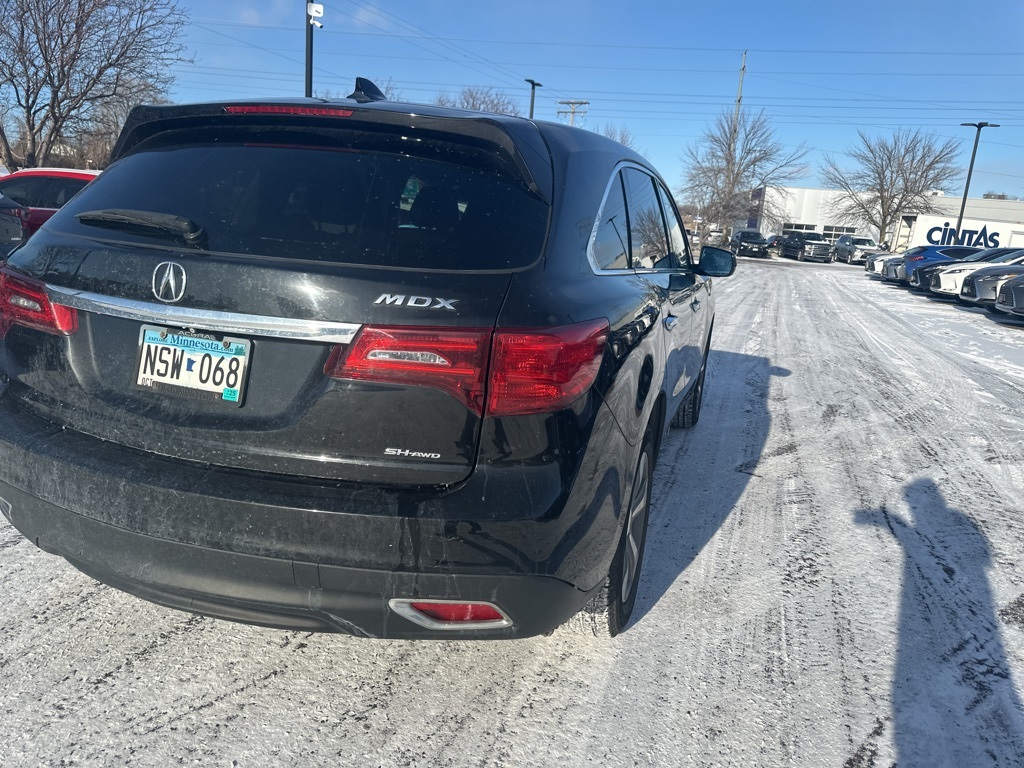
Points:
716	262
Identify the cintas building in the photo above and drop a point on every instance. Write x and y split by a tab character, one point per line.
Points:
989	222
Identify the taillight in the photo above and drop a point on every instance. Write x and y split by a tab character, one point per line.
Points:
915	258
532	370
23	301
542	370
453	360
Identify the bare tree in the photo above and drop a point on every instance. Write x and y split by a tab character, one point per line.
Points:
737	154
480	98
59	59
96	138
619	133
891	177
387	87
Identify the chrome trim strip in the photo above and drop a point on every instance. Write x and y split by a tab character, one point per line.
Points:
222	322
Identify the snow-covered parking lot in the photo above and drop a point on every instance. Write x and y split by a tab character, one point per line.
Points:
833	578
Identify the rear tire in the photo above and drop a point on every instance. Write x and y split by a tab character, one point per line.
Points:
609	610
689	410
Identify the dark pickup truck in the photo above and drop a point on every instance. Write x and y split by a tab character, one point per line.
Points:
804	246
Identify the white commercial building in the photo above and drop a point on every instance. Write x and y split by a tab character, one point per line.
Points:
988	223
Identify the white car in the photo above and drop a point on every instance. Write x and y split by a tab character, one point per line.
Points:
893	270
875	265
982	286
949	279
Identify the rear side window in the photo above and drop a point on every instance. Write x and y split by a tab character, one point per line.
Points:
358	198
646	226
64	189
30	191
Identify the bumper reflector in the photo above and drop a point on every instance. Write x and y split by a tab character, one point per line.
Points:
451	614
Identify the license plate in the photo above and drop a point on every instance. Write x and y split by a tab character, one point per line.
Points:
200	366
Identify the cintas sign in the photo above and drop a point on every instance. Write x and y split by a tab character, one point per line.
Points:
979	238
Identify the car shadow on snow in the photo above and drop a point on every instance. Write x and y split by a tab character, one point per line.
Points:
701	473
953	697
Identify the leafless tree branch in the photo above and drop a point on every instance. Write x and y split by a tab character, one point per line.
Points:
481	98
61	60
890	177
737	154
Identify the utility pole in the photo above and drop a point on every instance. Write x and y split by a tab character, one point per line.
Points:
314	11
534	85
739	93
571	112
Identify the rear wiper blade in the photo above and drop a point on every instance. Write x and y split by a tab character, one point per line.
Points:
147	223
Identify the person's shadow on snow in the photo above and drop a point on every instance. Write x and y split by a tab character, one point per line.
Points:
953	698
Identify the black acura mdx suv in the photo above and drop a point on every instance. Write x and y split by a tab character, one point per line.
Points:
351	365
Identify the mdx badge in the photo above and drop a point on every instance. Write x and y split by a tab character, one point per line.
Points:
169	281
420	302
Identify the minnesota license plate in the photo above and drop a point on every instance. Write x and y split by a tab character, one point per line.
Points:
195	365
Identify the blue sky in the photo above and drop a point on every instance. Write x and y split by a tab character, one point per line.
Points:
820	70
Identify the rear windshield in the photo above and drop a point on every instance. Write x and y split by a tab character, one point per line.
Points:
345	197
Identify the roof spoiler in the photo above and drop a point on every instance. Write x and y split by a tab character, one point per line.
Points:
366	91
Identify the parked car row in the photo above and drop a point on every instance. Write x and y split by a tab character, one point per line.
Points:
992	278
804	246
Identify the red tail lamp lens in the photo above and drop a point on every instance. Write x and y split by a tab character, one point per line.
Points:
23	301
531	370
458	612
452	360
538	371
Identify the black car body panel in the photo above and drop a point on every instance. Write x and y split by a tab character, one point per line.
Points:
348	463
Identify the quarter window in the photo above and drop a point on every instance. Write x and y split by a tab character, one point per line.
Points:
611	242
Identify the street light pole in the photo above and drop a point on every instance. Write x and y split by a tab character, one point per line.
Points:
970	170
534	85
314	11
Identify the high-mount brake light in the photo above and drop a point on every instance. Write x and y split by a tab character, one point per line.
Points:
23	301
278	109
451	614
532	370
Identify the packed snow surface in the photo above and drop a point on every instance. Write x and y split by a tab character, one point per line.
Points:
833	578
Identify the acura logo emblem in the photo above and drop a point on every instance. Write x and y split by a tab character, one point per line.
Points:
169	281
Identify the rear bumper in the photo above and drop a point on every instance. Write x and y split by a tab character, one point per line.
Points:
277	592
286	553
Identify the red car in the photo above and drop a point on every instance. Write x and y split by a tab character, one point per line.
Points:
43	190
